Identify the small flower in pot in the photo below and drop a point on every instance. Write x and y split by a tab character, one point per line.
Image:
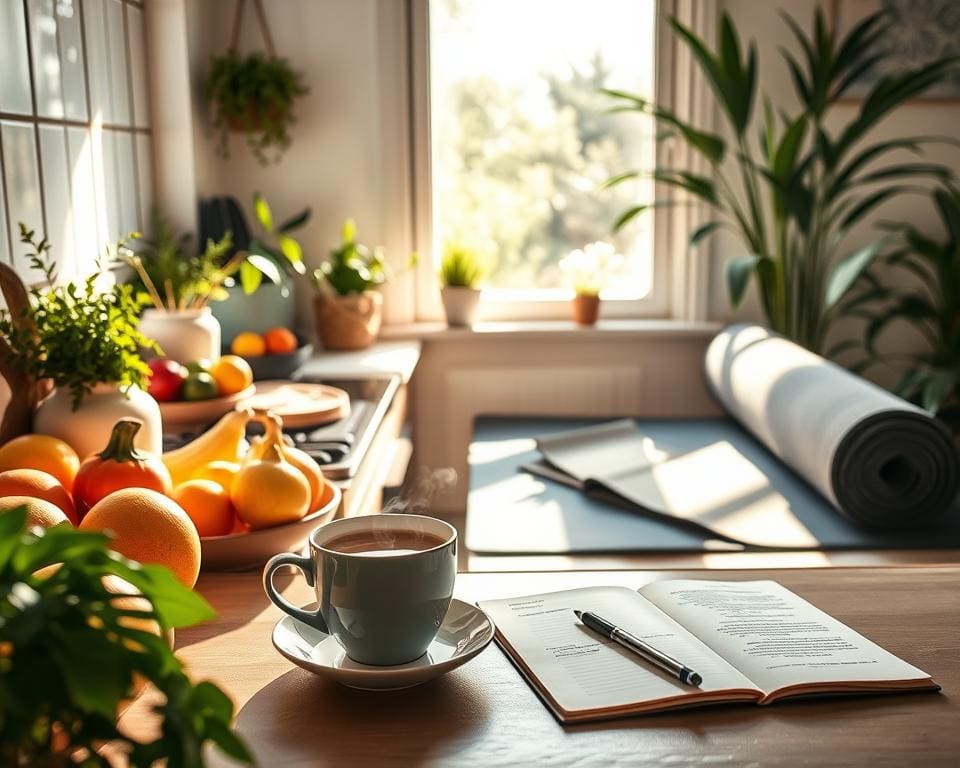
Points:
85	341
461	271
587	271
349	306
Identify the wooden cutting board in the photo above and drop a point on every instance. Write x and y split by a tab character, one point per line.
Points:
300	404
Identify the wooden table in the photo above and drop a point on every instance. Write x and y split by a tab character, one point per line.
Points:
483	714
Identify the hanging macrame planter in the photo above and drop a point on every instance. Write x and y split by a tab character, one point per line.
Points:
253	94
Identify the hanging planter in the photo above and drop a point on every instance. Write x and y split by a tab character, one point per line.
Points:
253	94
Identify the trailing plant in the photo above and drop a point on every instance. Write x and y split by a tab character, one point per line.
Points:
793	202
460	267
254	94
352	267
172	279
276	249
76	334
932	377
77	642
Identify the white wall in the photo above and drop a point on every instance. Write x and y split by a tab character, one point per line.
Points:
345	158
761	21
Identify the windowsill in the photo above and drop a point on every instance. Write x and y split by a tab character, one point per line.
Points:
527	330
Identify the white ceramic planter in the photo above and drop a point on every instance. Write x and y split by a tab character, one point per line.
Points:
185	335
460	304
88	428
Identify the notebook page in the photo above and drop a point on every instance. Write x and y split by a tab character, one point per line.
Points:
582	670
776	638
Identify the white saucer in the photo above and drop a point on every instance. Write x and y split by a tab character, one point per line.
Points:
466	630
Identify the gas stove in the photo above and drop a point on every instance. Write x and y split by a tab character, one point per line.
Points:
340	446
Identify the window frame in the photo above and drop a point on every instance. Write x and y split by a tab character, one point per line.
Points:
660	302
93	126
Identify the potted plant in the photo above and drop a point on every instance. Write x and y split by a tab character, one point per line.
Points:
931	377
253	95
260	290
348	304
461	271
85	341
83	631
587	271
180	288
816	175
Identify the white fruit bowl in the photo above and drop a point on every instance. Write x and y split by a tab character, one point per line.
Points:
244	551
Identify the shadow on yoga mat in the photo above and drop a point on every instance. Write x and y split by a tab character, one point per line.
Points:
514	512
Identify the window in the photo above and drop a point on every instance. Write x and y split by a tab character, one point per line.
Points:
75	143
521	141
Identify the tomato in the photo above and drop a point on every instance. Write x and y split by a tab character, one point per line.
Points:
120	465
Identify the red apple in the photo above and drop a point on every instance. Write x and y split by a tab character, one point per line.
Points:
166	379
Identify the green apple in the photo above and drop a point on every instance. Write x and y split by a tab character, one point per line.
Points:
199	386
199	366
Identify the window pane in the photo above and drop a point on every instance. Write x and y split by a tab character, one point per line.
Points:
127	185
521	140
80	150
145	177
138	67
71	59
56	197
4	240
14	68
116	45
46	58
23	187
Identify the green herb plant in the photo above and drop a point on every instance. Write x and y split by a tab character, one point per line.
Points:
169	278
72	647
793	202
274	250
461	267
254	94
932	377
77	335
352	267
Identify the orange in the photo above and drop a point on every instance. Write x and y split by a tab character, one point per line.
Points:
232	373
249	344
208	505
280	341
38	485
39	512
150	528
221	472
42	452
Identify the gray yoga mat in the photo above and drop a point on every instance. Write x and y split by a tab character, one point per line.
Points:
880	461
514	512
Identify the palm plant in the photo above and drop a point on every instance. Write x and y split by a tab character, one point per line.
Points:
793	199
932	377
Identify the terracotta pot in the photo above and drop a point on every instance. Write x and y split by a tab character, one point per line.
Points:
586	307
255	118
460	305
348	322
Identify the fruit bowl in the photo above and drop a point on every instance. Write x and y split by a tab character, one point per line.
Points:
280	366
243	551
181	415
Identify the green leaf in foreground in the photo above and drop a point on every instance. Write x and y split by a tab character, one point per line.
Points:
71	654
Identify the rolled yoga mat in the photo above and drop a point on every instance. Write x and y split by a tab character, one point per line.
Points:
882	462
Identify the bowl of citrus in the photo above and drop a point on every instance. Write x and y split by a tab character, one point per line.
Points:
200	391
276	354
249	500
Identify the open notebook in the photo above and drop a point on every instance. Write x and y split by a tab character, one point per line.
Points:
751	641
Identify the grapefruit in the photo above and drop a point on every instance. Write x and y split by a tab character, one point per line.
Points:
39	512
38	485
150	528
42	452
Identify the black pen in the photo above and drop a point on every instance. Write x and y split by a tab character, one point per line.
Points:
634	644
